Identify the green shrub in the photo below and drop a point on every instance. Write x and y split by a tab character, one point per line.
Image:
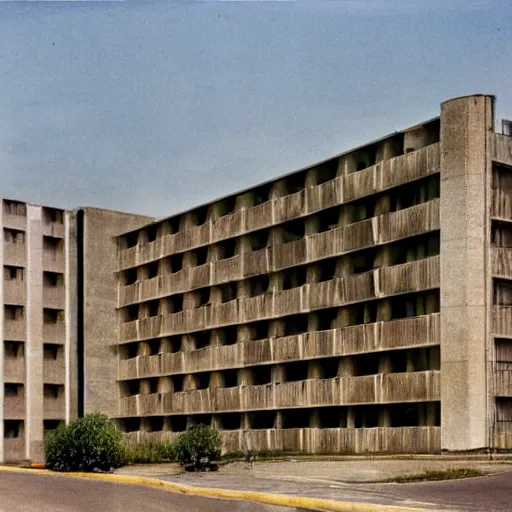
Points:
92	443
150	453
198	441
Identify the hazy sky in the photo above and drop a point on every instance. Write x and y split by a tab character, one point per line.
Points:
154	106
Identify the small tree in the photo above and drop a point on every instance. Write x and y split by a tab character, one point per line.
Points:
196	443
92	443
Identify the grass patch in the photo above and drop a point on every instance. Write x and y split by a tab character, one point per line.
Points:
433	476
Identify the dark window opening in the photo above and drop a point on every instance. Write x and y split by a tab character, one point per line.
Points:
51	424
362	210
365	157
13	390
14	236
51	243
295	183
259	330
296	418
262	420
154	347
202	339
131	313
200	419
327	171
332	417
327	318
14	273
296	324
294	278
203	380
398	360
366	416
203	297
177	383
155	424
366	364
129	350
327	269
152	385
130	387
260	375
201	255
130	424
13	312
130	276
152	232
152	307
52	279
174	344
201	215
174	224
12	429
130	239
404	415
227	249
328	219
14	349
178	423
261	194
176	262
226	206
15	208
152	269
228	335
228	292
176	303
230	421
363	261
230	378
259	240
295	371
52	350
52	390
258	285
293	231
328	368
52	316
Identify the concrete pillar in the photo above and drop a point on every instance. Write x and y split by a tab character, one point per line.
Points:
279	420
314	419
351	417
313	274
276	329
278	374
314	370
311	225
346	367
313	322
384	417
385	363
145	387
384	310
188	342
244	333
466	171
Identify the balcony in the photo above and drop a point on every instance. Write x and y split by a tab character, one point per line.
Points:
14	369
260	216
502	321
53	261
504	380
129	406
229	269
150	365
53	229
15	330
257	262
289	254
54	371
336	440
128	369
502	262
54	297
414	276
502	149
289	207
13	221
361	183
14	407
150	404
14	254
501	207
228	226
14	291
54	408
54	333
200	276
14	449
325	195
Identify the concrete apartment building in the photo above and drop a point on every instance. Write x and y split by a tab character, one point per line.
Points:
363	304
57	319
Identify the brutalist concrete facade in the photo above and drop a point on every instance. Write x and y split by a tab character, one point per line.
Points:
363	304
57	319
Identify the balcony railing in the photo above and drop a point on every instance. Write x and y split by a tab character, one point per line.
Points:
13	221
54	297
53	229
502	321
413	332
502	262
53	261
14	291
387	174
14	253
14	407
370	389
14	369
504	380
14	449
502	149
501	207
54	371
15	330
54	332
409	277
54	408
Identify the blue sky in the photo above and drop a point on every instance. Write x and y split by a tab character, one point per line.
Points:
154	106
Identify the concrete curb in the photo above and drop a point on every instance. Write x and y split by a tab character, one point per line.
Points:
207	492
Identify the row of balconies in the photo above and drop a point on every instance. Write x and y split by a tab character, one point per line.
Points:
368	389
319	440
15	255
16	330
15	407
382	176
378	230
381	336
54	371
502	149
15	293
408	277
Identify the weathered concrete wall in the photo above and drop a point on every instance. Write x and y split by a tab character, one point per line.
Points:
466	142
100	291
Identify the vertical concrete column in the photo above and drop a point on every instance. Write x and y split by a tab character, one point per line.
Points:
145	387
384	417
466	142
314	370
313	322
311	225
34	346
244	333
314	419
346	367
385	363
351	417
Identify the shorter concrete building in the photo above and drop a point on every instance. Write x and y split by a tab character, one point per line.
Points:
57	320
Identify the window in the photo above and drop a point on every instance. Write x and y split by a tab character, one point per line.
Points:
14	236
13	429
53	390
52	279
14	312
13	390
14	349
53	316
52	350
13	273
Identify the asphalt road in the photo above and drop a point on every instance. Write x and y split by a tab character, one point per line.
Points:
20	492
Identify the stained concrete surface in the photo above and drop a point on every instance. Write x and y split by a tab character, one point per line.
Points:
20	492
